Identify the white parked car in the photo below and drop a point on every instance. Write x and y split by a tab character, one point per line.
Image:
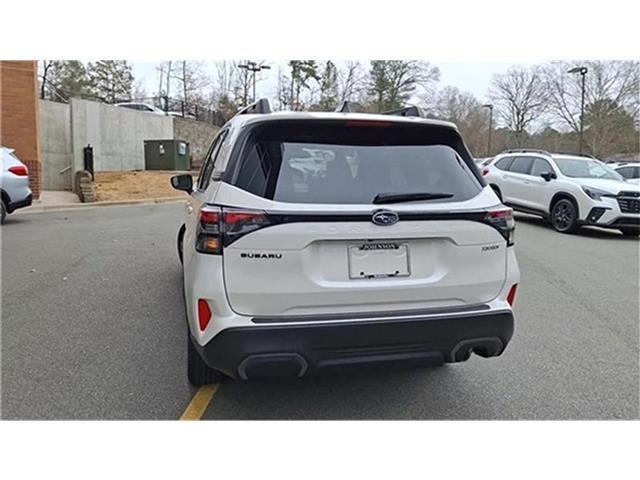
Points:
569	190
398	251
14	183
630	171
141	107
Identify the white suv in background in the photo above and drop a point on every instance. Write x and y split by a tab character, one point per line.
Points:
630	171
569	190
317	241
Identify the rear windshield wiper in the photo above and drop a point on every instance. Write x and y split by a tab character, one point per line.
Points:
408	197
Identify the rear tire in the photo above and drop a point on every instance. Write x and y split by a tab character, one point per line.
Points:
181	243
630	231
497	192
564	216
199	372
3	214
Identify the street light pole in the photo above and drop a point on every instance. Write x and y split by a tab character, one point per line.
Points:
490	107
583	72
254	67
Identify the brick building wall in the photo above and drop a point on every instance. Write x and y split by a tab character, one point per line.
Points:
19	115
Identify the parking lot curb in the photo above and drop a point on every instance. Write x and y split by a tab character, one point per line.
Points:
111	203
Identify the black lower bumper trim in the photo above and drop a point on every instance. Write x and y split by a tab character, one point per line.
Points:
626	222
297	350
20	204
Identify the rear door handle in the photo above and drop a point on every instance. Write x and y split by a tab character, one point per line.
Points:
189	209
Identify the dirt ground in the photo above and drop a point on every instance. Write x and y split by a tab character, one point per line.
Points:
135	185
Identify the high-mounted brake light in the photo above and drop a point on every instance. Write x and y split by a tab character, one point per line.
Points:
19	170
502	220
368	123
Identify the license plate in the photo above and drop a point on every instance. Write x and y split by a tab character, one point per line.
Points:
378	260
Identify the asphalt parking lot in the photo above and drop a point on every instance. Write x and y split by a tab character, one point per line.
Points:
93	328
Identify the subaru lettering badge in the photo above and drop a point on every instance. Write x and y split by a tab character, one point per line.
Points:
384	218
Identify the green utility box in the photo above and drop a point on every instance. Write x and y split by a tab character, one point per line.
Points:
167	155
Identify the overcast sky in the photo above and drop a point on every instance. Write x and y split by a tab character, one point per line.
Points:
472	77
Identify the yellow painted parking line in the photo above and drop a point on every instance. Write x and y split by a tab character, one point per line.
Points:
199	403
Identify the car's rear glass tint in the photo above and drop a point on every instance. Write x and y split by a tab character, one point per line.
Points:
342	163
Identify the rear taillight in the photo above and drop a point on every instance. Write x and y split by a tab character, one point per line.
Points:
219	227
485	171
209	230
502	220
511	296
20	170
240	222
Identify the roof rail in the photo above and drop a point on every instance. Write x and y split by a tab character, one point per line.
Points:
412	111
525	150
345	107
588	155
261	106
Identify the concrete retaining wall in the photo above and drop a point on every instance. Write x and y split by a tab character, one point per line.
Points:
198	134
56	147
116	134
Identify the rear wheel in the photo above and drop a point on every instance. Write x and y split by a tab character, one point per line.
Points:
497	192
199	372
630	231
4	212
564	216
181	242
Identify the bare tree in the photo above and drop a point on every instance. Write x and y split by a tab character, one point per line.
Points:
192	79
519	97
46	66
611	90
463	109
351	81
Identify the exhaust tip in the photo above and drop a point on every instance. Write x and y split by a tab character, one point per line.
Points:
485	347
268	365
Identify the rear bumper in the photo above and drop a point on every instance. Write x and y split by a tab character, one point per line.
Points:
20	203
298	350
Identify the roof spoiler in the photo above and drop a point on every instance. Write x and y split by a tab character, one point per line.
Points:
261	106
525	150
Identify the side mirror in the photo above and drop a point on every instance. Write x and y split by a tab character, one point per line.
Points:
548	176
182	182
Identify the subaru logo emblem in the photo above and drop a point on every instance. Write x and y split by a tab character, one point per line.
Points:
384	218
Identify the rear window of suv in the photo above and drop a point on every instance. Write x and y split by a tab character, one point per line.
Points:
352	162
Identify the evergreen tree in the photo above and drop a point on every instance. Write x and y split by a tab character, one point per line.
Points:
393	82
301	72
111	80
67	79
328	87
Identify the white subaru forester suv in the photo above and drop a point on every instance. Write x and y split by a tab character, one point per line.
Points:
569	190
317	241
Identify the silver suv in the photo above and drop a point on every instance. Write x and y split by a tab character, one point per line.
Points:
317	241
14	182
